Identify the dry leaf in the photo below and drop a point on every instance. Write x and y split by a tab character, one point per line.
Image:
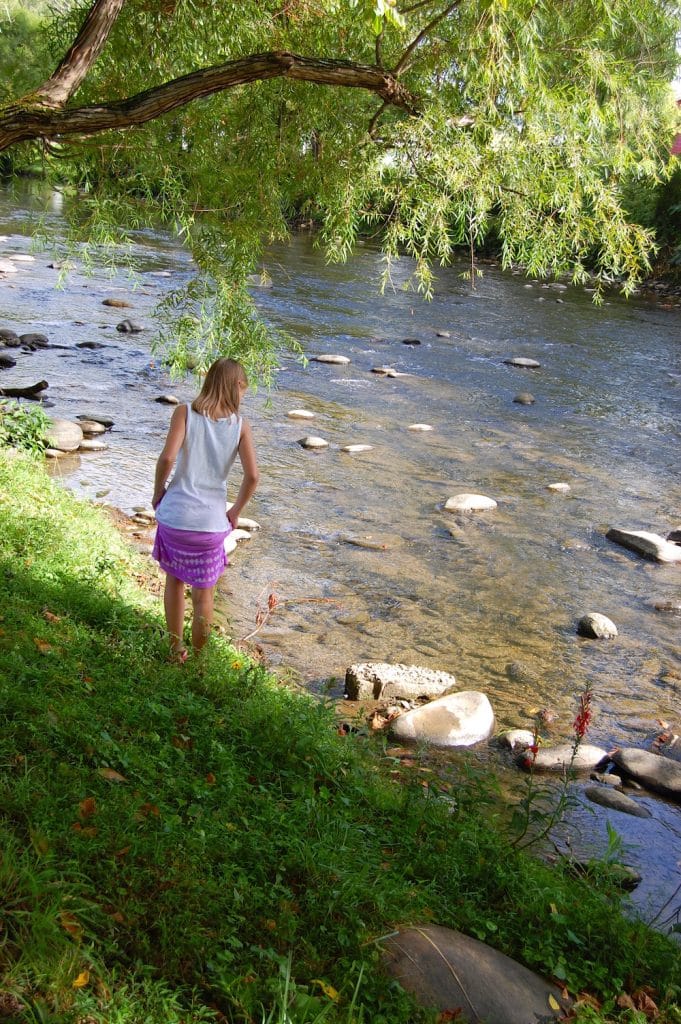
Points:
327	989
644	1003
123	852
71	924
145	810
111	775
87	807
210	779
50	616
42	645
553	1002
82	980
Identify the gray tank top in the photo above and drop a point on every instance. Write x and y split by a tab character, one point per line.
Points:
196	498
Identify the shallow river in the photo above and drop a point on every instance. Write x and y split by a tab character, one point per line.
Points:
471	594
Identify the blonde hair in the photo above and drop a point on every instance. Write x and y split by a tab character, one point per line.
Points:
221	392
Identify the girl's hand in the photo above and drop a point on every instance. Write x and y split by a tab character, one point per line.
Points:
156	501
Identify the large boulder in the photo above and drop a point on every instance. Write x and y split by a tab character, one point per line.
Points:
456	720
376	680
64	435
649	545
660	774
445	969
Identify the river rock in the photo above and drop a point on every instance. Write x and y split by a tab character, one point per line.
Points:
95	417
64	435
524	398
655	772
650	545
411	341
443	334
456	720
516	739
91	444
607	779
330	358
563	757
313	442
668	606
469	503
374	680
675	536
22	257
93	345
596	626
91	426
34	340
354	449
6	362
117	303
609	797
167	400
523	363
129	327
422	427
10	338
7	267
445	969
244	523
230	544
559	488
300	414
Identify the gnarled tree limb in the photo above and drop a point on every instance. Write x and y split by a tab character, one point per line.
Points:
28	119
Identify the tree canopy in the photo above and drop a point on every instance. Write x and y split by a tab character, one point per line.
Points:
436	124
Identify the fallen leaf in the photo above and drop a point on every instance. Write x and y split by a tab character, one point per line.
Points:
327	989
447	1015
644	1003
82	980
71	924
553	1002
87	807
88	830
111	775
42	645
210	779
182	742
50	616
145	810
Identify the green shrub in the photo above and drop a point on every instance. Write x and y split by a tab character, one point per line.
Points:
23	426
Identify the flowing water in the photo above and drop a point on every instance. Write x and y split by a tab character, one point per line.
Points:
365	561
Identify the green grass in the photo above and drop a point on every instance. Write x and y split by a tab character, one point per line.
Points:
198	842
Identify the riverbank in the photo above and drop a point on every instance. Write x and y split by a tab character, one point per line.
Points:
190	841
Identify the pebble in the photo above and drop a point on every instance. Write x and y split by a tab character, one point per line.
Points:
92	445
247	524
313	442
469	503
91	426
355	448
561	488
523	363
300	414
596	626
443	334
93	417
19	257
524	398
336	360
419	427
117	303
167	400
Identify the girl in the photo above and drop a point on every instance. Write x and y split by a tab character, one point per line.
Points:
205	438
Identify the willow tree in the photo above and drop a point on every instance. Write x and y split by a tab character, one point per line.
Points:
436	124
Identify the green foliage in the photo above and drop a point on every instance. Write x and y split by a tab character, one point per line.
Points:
533	121
183	840
23	426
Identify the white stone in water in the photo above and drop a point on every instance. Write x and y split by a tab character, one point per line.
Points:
419	427
457	720
560	488
247	524
469	503
313	442
300	414
596	626
513	738
167	400
7	267
355	448
105	421
92	445
64	435
20	257
330	358
522	362
91	426
650	545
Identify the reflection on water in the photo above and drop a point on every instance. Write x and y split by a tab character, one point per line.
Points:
366	563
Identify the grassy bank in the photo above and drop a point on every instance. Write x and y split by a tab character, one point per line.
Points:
180	843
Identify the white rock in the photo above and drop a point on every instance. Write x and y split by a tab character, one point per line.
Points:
329	358
516	738
355	448
419	426
238	535
20	257
596	626
247	524
92	445
563	757
91	426
7	267
374	680
313	442
523	363
300	414
469	503
230	544
457	720
560	488
64	435
650	545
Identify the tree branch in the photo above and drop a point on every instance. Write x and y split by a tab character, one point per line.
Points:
88	44
27	119
404	60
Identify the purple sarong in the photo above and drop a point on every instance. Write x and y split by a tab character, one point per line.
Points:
194	557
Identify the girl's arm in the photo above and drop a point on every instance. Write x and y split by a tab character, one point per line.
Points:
249	464
166	460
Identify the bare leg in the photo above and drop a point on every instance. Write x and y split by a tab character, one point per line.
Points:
202	601
173	602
